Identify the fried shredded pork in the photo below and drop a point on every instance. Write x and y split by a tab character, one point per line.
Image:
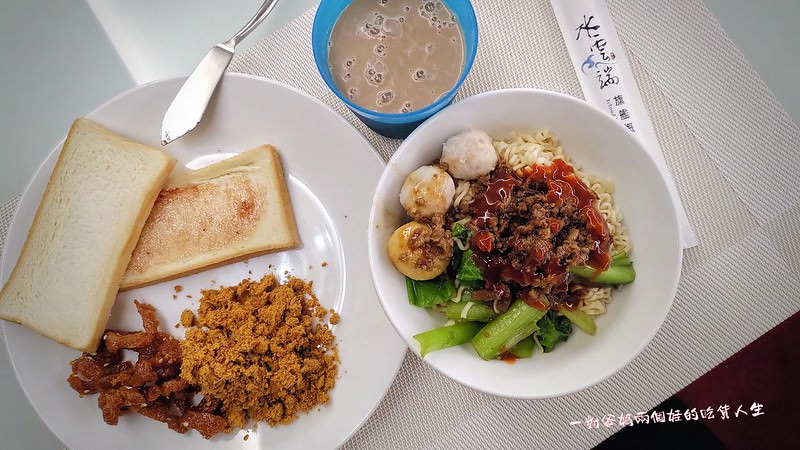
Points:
151	386
262	350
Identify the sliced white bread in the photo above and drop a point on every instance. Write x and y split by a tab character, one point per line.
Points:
225	212
94	207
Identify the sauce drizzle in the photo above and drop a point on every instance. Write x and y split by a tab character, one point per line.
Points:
564	185
561	185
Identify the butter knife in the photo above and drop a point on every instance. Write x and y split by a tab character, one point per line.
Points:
186	110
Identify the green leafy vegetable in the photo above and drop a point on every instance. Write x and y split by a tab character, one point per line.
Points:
581	319
460	231
553	328
468	272
619	271
426	294
621	258
524	348
446	336
475	311
503	333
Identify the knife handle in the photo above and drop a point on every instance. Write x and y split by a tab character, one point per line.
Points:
259	17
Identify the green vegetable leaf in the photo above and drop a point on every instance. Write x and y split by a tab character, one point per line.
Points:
619	271
467	272
581	319
467	269
460	231
524	348
426	294
446	336
507	329
553	328
476	312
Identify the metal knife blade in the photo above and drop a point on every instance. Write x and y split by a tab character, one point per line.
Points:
186	110
189	105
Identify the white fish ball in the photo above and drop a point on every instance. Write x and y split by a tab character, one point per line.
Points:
427	191
469	154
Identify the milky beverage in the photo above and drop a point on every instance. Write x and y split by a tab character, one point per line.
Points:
396	56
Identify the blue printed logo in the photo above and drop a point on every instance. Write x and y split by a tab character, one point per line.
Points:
589	63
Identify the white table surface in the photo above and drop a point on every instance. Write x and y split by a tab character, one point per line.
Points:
61	59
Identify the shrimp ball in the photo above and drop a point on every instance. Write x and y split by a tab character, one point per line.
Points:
469	154
419	251
427	191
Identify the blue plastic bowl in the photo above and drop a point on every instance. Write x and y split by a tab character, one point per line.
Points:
391	125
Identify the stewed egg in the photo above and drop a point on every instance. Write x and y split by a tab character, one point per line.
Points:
419	251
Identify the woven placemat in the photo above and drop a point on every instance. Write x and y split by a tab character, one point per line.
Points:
734	153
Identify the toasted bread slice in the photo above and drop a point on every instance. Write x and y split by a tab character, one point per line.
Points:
94	207
228	211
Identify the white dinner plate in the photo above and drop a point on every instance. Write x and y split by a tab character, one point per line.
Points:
331	171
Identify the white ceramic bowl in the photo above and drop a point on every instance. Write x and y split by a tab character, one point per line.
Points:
600	145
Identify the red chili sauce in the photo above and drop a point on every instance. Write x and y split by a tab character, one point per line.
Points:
508	358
